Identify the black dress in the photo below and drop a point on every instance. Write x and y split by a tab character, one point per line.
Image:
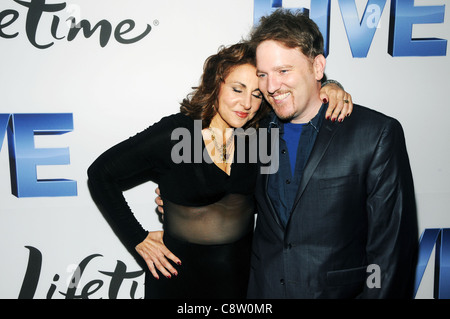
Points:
208	214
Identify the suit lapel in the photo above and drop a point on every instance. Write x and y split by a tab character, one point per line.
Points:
323	140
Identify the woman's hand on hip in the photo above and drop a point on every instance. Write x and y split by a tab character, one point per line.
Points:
157	255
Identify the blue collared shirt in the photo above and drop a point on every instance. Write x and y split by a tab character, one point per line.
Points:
283	185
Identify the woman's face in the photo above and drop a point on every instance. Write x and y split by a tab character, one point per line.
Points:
239	98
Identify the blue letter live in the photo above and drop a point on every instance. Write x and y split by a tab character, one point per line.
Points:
360	32
24	157
439	239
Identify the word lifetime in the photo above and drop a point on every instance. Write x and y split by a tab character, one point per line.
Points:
117	279
37	10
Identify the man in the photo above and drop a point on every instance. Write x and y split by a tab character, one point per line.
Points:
343	197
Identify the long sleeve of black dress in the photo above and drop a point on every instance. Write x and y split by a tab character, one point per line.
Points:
128	163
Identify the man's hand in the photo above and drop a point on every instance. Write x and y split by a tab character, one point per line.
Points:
159	202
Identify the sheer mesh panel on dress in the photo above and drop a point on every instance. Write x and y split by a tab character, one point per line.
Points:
223	222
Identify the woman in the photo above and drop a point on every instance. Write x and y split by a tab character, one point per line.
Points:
204	251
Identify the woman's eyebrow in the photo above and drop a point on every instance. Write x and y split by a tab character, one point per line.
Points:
239	83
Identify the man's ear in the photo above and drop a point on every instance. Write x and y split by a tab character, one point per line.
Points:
319	66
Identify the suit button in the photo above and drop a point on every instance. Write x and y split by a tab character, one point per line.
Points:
282	282
289	246
283	151
288	181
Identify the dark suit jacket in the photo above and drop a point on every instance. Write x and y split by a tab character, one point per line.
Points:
355	207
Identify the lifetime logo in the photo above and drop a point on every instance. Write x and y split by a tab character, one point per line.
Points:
38	10
360	32
24	157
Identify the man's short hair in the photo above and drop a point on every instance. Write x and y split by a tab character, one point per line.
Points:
292	29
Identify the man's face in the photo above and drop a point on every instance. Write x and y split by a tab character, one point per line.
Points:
289	80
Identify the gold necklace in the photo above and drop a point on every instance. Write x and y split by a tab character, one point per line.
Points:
222	149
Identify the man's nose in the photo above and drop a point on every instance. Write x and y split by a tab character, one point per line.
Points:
273	84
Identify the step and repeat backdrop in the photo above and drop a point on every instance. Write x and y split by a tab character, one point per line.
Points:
79	76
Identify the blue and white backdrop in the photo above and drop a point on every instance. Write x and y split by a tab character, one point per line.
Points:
78	76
